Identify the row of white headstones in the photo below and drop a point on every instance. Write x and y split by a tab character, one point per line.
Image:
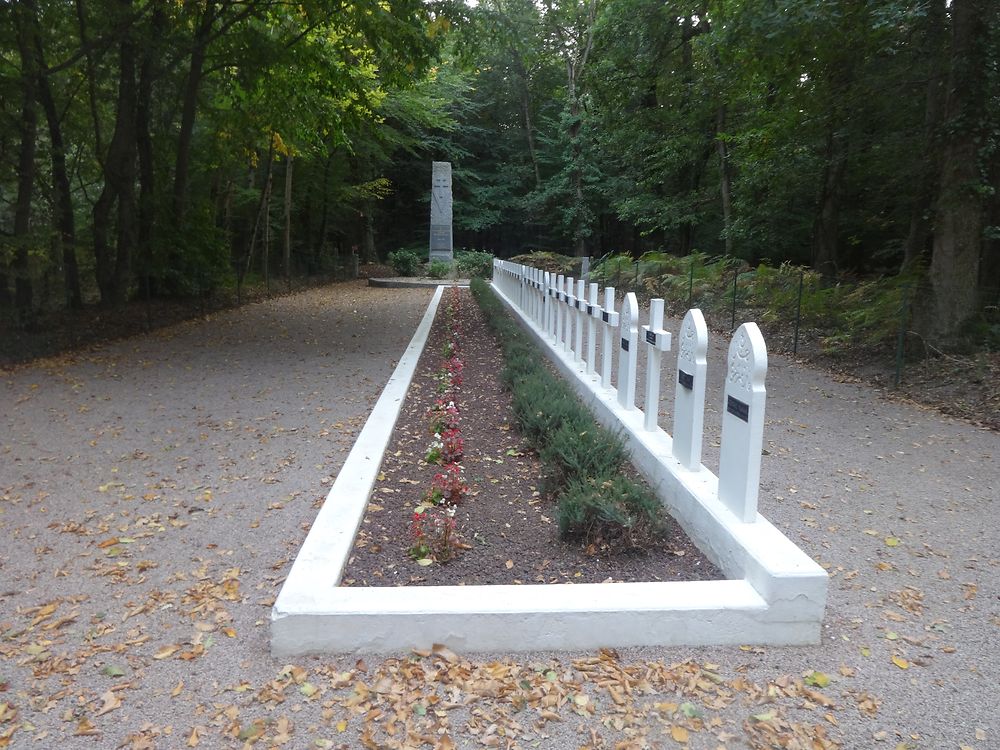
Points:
568	314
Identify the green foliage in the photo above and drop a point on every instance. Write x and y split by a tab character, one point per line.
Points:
405	262
576	449
438	269
597	503
474	264
609	510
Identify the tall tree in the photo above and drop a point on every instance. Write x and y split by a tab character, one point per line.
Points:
959	210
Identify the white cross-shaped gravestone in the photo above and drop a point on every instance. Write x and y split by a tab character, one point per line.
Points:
536	280
657	342
610	319
570	299
558	300
549	312
581	311
743	423
593	314
689	392
628	356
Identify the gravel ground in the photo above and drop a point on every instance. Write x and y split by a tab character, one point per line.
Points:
153	493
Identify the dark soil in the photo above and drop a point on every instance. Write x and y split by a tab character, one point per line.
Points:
508	521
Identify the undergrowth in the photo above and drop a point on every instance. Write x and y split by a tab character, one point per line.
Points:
596	502
842	314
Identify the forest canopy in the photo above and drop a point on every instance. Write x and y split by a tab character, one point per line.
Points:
158	147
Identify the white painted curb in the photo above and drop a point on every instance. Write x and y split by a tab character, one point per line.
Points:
776	595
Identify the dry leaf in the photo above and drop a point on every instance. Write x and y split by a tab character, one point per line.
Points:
85	728
195	737
680	734
111	702
167	651
439	649
900	662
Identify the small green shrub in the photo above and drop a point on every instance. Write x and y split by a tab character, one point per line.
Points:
404	262
474	264
612	511
580	449
584	460
438	269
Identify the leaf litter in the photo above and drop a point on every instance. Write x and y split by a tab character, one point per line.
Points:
190	574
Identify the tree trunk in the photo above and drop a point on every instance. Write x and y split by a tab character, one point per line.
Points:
826	224
81	17
28	127
188	109
287	243
725	178
144	147
119	184
65	220
262	206
959	211
919	236
529	129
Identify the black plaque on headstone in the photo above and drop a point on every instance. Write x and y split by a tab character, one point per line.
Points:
739	409
686	379
625	345
651	337
605	316
590	310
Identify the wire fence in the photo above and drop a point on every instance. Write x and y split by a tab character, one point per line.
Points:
800	312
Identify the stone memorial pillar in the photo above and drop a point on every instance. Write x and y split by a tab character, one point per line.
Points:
441	236
743	423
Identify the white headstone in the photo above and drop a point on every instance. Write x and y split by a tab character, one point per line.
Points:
441	212
593	315
547	304
689	392
581	313
628	354
743	422
569	305
560	295
609	319
657	341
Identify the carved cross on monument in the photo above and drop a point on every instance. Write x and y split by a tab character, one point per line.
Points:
441	236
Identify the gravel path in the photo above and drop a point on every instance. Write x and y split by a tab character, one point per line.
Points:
154	491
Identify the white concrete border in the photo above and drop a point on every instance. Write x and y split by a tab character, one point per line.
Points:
776	595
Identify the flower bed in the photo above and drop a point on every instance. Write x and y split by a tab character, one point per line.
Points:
503	527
